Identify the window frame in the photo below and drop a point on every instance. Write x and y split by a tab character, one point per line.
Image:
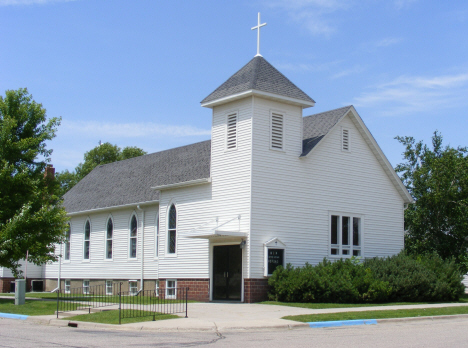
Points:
87	222
111	292
130	257
135	288
67	245
67	291
170	288
107	239
156	237
169	230
350	246
86	286
156	288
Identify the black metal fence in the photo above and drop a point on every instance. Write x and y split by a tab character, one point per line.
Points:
130	304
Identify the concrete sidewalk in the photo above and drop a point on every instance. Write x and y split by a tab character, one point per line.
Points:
229	317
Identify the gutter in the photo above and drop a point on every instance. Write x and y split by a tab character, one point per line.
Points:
183	184
130	205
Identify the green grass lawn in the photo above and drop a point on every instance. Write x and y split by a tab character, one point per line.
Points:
112	317
383	314
31	307
42	295
463	299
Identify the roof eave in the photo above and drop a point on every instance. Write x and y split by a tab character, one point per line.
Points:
255	92
183	184
115	207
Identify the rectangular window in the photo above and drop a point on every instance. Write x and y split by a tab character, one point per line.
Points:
156	290
345	235
85	286
109	287
67	243
133	287
276	131
67	286
171	289
231	131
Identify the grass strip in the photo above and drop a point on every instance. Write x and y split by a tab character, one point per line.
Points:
382	314
112	317
30	307
463	299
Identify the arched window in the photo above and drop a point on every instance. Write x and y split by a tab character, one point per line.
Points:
133	237
156	252
172	230
67	243
109	235
87	238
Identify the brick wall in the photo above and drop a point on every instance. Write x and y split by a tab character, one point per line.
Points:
5	284
199	289
255	290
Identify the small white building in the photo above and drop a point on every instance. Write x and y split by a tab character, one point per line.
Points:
271	187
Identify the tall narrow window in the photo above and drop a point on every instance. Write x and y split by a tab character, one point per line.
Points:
172	230
85	286
171	286
67	243
67	286
345	139
87	238
109	287
276	131
156	251
345	236
109	235
231	134
133	237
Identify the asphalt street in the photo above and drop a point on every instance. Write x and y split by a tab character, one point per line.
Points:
424	333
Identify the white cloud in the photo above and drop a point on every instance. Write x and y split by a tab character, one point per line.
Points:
389	41
315	15
401	4
107	130
307	67
29	2
411	94
354	70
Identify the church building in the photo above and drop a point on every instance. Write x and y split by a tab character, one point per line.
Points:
272	187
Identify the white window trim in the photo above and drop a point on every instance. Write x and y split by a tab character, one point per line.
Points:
156	288
112	287
283	114
65	260
65	286
88	286
167	254
340	245
343	129
171	297
84	240
274	243
134	214
230	113
105	238
136	286
156	237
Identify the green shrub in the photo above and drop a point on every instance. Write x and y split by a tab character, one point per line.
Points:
397	278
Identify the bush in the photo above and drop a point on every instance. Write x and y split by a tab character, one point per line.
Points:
397	278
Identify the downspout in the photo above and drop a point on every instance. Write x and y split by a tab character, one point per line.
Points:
142	245
59	271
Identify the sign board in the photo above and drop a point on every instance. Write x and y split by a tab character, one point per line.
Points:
275	259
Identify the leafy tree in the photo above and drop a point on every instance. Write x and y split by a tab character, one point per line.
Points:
101	154
437	179
30	218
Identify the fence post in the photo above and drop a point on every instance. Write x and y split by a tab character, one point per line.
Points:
120	303
58	291
186	298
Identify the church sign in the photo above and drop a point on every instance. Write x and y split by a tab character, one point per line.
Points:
274	256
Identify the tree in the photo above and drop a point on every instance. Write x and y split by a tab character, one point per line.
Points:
101	154
30	217
437	179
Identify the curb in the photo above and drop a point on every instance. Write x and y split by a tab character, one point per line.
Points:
338	323
13	316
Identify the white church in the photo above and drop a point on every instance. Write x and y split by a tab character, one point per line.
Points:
271	187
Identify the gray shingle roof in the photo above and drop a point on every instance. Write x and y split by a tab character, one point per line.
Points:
130	181
260	75
318	125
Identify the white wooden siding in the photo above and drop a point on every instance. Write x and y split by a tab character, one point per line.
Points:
34	271
292	196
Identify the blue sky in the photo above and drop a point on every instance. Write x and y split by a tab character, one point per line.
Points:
133	73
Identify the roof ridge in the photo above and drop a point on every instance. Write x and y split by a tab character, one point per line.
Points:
326	112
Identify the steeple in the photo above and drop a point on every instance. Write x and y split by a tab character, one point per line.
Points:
258	77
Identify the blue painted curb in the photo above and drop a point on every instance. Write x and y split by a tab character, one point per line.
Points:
13	316
342	323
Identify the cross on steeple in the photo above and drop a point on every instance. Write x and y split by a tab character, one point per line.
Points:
258	35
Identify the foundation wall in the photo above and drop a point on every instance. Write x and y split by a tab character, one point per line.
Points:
255	290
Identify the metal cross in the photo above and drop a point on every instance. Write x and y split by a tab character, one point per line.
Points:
258	35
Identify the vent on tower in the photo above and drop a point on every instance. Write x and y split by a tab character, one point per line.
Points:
344	139
276	131
231	134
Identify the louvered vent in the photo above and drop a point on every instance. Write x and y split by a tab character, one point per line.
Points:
231	136
276	131
345	140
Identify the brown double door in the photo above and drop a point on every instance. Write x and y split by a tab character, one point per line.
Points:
227	272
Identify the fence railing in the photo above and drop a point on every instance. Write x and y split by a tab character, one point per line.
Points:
130	304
